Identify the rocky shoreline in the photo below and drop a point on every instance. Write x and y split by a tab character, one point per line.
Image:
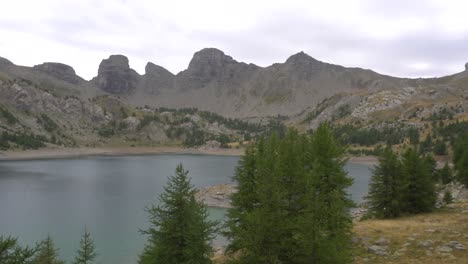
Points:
219	196
60	153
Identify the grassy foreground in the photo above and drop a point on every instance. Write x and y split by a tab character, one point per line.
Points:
411	239
415	239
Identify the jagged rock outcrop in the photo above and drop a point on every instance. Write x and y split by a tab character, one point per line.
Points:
466	66
157	78
216	82
115	76
212	67
59	71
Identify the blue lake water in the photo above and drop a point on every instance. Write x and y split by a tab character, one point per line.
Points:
107	194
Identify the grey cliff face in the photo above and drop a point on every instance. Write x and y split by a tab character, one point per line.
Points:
157	78
60	71
211	65
115	75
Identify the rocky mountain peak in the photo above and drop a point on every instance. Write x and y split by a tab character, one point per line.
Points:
154	70
5	62
115	75
59	71
301	58
466	66
157	78
117	60
209	61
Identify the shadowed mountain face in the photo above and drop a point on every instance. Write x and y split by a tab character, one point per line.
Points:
115	76
216	82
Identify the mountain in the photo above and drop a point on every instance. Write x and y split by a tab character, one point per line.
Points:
303	91
216	82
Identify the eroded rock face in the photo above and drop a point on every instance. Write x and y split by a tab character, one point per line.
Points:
115	75
157	78
213	66
59	71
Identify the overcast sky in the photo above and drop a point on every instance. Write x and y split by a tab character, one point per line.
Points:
407	38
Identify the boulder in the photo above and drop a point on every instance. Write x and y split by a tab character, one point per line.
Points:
378	250
443	249
382	241
425	243
455	245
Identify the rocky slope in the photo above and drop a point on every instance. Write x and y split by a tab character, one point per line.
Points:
302	90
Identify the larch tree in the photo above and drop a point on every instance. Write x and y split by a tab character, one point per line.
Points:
180	230
387	186
291	205
420	195
12	253
86	254
47	253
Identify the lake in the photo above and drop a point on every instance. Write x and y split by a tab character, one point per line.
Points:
107	195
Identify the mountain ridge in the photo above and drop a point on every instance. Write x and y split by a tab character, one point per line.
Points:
214	81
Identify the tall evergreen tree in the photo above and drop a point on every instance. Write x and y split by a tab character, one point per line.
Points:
180	231
420	195
86	254
291	205
386	188
329	223
460	159
47	253
12	253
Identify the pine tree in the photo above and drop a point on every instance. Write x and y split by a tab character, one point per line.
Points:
12	253
445	174
47	253
180	231
291	205
386	187
420	195
460	159
86	254
329	223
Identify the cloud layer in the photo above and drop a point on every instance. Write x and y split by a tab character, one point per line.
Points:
402	38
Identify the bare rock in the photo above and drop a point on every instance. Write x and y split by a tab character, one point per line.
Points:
132	122
382	241
455	245
443	249
59	71
115	75
426	243
157	78
378	250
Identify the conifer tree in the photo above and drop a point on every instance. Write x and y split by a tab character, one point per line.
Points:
86	254
445	174
328	222
386	188
180	232
291	205
47	253
12	253
420	195
460	159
